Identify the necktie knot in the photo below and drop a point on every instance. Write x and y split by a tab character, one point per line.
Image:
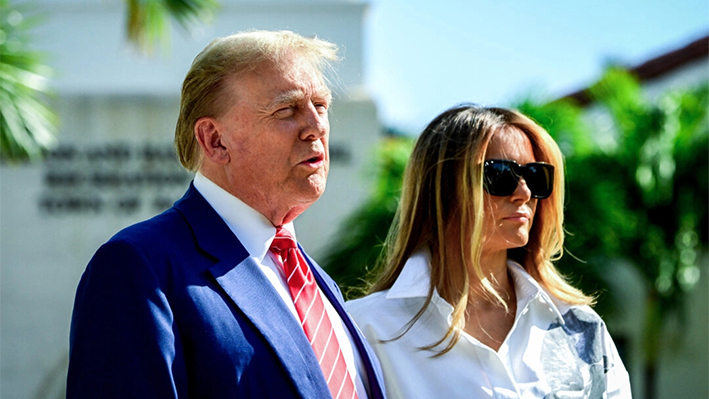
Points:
283	241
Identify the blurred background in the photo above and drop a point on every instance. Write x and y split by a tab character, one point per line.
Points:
89	95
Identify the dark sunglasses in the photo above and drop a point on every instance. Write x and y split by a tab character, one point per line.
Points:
502	177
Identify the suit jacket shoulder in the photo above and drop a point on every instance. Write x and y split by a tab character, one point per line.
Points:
174	307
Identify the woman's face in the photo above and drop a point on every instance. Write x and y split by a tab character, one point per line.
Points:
508	219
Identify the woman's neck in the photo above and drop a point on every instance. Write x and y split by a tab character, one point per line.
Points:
488	319
494	271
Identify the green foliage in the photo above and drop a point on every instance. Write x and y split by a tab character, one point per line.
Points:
661	162
654	182
27	124
148	20
642	199
562	120
363	233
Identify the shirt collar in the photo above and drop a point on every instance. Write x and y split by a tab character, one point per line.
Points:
415	279
414	282
528	290
254	230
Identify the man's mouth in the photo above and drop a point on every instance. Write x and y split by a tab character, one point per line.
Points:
314	161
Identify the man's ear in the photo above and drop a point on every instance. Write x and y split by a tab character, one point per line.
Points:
210	139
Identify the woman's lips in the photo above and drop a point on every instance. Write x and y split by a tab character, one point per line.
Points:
519	217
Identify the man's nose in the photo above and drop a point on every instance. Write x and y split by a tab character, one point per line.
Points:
315	123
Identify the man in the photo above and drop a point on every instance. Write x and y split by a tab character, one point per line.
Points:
200	301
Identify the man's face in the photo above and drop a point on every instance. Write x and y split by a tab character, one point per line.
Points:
276	134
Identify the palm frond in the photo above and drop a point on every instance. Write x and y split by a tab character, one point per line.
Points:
27	124
148	21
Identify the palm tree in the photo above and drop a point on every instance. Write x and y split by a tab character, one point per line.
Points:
27	123
147	23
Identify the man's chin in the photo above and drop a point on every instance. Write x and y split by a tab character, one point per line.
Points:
316	184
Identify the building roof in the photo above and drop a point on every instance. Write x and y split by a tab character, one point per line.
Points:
656	67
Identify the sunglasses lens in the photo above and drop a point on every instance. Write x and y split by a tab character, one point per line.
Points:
502	178
540	179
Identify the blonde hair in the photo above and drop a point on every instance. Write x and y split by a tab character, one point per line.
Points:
203	90
443	188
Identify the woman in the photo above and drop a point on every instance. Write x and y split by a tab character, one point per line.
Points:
469	304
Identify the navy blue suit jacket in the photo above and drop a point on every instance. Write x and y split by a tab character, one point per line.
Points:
173	307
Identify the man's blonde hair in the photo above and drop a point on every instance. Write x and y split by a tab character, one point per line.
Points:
203	90
443	188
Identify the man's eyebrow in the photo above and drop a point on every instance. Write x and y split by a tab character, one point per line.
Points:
295	95
287	97
328	95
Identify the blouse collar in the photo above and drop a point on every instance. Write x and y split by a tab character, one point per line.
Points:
415	279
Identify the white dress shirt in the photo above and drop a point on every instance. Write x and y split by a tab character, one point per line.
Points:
255	232
554	350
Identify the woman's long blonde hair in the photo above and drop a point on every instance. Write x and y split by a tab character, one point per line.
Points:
443	185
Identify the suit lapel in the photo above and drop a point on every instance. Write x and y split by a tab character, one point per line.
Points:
254	295
245	284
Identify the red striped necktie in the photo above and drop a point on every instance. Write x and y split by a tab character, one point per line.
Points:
313	316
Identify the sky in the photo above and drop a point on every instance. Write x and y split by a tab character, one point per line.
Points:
423	57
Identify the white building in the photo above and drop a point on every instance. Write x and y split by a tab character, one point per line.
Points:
114	164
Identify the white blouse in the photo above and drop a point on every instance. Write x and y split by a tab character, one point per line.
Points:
554	350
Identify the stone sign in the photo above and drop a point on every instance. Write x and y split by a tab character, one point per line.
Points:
117	177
